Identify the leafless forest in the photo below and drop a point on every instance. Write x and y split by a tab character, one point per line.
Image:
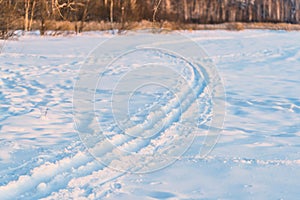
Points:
23	14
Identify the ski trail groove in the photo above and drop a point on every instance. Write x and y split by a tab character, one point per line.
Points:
81	165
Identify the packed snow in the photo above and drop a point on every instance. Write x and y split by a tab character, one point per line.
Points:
43	154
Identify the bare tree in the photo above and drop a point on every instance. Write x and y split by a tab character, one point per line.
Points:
26	19
155	9
84	15
185	10
111	13
8	17
32	14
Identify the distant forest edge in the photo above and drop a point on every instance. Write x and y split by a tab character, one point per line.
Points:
80	15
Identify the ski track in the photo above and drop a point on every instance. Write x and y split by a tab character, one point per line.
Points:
71	170
136	145
81	164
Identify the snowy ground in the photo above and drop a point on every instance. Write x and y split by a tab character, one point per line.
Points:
257	155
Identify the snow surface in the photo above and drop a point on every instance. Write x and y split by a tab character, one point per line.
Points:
256	157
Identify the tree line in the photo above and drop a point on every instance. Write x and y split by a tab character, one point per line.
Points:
25	12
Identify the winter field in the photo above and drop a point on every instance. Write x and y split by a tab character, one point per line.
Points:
125	123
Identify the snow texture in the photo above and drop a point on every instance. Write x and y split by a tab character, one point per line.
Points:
257	155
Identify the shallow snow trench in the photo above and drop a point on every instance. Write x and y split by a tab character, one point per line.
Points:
257	155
